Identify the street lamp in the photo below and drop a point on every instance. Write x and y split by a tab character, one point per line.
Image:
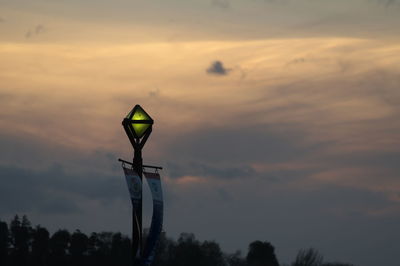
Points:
138	126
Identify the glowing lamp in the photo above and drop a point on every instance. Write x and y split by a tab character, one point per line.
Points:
137	123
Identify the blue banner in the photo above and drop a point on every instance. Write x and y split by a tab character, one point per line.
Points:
153	179
135	190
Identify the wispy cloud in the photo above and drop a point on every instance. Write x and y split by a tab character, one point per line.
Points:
388	3
39	29
221	3
203	170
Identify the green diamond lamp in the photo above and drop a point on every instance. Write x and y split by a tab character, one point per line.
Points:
138	126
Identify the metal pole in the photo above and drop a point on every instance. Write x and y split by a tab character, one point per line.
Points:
138	167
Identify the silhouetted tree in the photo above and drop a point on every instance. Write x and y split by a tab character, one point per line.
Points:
20	240
189	251
59	245
261	254
40	246
78	248
100	245
235	259
164	251
120	250
308	257
4	243
93	250
186	252
212	254
116	250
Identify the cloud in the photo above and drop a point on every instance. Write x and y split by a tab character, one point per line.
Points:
221	3
39	29
24	190
2	20
296	61
388	3
6	97
44	177
283	214
154	93
217	68
54	190
240	144
176	170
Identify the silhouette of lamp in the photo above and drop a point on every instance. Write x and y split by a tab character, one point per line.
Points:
138	126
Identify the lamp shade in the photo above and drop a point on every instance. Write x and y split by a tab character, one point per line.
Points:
138	121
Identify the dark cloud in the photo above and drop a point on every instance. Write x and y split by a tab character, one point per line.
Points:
2	20
6	97
24	190
221	3
41	176
217	68
54	190
291	217
297	61
35	152
228	153
388	3
376	159
241	143
225	195
154	93
39	29
203	170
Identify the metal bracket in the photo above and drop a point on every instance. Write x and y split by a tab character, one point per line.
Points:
144	165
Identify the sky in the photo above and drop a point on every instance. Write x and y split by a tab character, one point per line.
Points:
275	120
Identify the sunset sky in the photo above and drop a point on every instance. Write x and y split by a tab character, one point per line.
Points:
275	120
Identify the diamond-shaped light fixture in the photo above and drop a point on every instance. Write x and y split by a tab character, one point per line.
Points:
137	125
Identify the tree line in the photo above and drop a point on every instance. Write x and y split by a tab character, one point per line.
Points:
24	245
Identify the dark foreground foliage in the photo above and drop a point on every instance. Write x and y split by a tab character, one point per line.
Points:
24	245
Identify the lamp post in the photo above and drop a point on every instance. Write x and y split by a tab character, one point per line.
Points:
138	126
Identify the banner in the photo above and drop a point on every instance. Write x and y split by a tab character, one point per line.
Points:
135	190
134	186
154	182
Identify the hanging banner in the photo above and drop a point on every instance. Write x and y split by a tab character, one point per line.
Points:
153	179
135	190
134	186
